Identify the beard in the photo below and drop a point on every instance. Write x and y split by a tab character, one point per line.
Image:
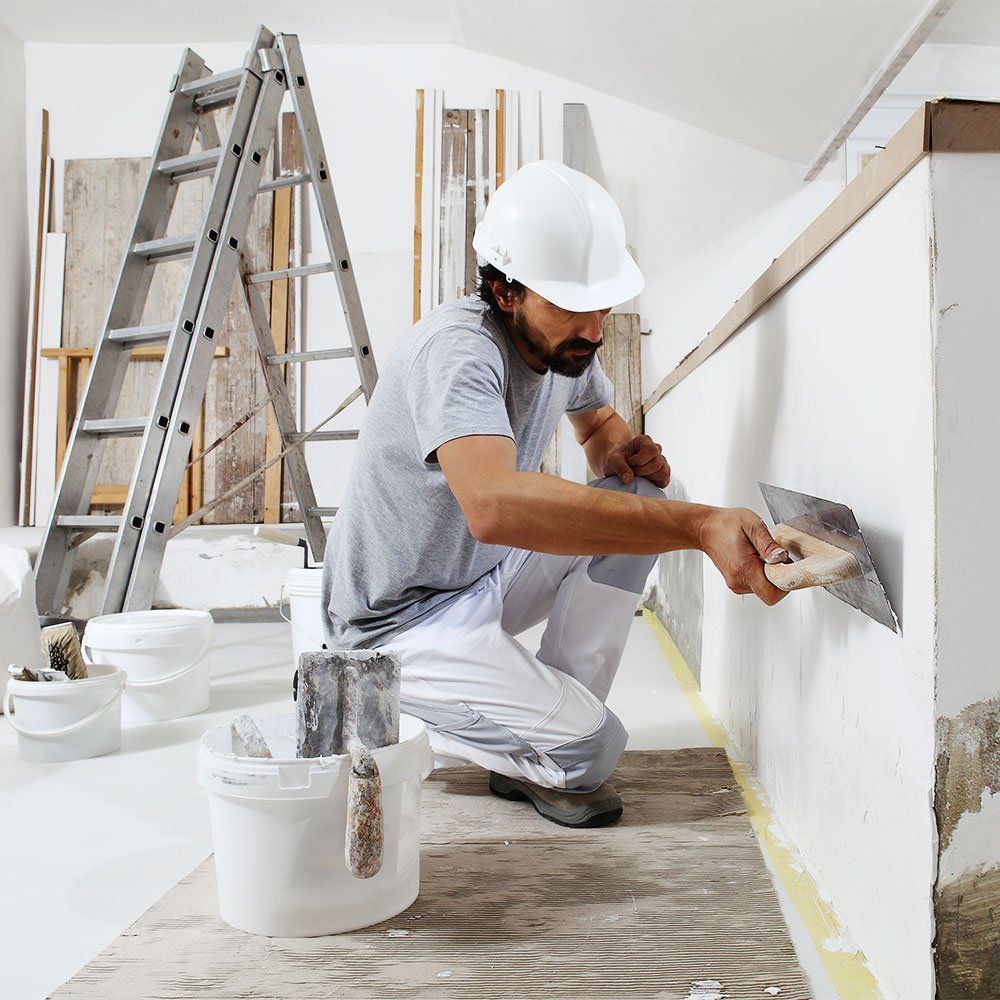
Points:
562	359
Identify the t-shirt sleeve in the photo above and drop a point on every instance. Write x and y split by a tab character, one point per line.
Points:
455	389
592	390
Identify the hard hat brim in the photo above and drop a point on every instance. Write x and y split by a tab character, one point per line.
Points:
577	297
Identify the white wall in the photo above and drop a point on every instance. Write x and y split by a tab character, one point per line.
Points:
14	265
828	390
704	214
967	704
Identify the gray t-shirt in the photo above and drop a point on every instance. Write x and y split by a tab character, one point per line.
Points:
400	545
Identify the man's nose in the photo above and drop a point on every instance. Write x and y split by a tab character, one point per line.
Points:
590	329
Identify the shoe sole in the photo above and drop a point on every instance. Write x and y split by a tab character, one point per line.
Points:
586	817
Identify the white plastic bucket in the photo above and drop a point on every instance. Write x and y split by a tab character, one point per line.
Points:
164	654
303	587
67	720
278	829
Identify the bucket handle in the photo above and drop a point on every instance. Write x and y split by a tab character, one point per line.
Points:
299	629
202	653
8	699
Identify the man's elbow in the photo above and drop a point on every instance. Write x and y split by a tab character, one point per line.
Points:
485	520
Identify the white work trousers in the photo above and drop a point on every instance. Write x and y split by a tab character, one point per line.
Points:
488	700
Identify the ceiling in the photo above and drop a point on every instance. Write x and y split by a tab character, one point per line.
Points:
778	75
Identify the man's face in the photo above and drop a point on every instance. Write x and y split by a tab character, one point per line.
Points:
558	339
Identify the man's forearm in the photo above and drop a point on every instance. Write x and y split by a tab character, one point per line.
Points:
614	431
529	510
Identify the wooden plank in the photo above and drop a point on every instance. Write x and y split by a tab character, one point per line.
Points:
621	358
280	247
575	136
902	52
138	353
500	137
903	151
46	415
292	162
477	188
418	204
31	353
454	178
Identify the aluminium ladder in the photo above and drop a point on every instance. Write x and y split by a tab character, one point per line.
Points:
255	92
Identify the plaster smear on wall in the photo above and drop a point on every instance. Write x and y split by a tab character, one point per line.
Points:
828	390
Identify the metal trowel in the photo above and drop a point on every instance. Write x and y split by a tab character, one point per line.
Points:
827	549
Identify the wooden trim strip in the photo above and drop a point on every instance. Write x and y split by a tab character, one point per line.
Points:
418	207
943	126
500	126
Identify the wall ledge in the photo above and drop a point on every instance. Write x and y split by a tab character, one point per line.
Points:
943	125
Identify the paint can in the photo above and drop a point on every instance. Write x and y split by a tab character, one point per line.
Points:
164	654
278	830
67	720
303	588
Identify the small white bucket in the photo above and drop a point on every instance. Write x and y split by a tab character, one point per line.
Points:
303	587
67	720
164	654
278	829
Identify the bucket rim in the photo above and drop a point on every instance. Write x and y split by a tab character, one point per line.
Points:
418	727
53	689
158	620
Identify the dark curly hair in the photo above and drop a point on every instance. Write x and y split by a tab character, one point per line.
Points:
488	273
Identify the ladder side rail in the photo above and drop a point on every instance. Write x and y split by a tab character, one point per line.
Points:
284	415
179	345
333	227
155	529
82	460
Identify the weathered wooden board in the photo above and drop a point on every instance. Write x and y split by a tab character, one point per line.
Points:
621	359
464	185
100	199
673	902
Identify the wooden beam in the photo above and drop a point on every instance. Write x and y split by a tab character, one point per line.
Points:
500	140
942	126
926	21
31	361
418	203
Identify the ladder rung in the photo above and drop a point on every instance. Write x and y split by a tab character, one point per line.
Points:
289	180
220	99
325	436
141	334
116	426
323	511
168	248
185	168
209	84
90	522
291	272
299	357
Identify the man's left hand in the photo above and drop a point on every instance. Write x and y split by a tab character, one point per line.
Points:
641	456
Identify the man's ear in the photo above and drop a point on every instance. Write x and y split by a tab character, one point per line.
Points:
504	295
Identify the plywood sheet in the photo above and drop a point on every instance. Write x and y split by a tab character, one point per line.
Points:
100	199
674	902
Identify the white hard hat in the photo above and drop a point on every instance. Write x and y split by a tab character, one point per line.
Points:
558	232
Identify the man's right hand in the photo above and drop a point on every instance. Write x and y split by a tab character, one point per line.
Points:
739	544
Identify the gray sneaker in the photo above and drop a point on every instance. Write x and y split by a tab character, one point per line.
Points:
577	809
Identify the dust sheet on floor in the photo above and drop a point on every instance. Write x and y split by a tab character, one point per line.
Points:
673	902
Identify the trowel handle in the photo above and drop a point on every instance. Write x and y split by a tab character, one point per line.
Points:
819	563
365	834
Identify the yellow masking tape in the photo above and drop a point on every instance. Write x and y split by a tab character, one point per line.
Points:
847	970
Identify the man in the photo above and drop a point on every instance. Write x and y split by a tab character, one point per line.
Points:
449	542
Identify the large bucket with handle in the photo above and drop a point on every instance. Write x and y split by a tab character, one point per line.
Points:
164	654
278	831
67	720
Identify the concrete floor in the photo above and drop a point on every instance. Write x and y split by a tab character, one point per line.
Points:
89	845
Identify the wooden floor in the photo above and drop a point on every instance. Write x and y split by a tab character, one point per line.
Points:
673	902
